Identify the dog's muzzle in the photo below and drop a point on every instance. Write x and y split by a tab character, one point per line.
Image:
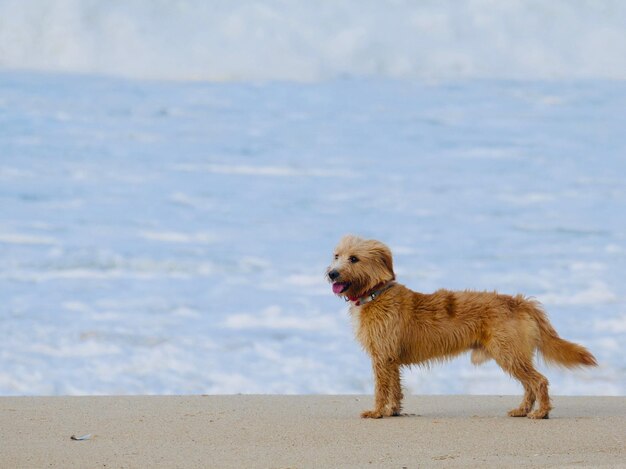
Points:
333	274
338	287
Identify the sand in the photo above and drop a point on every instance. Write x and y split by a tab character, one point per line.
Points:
306	431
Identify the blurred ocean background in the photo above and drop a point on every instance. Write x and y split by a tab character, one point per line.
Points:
174	176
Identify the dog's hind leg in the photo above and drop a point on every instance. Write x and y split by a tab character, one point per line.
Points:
540	388
527	403
535	384
535	387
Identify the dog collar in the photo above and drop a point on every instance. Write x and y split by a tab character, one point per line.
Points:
372	295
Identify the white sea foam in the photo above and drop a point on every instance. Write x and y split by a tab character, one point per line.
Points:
247	170
186	200
527	199
19	238
303	280
273	318
84	274
77	306
185	312
178	237
7	173
304	284
80	349
597	292
308	41
135	269
617	324
22	382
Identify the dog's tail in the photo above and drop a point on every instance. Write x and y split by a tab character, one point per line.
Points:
556	350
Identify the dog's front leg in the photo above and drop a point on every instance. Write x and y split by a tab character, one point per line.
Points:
387	377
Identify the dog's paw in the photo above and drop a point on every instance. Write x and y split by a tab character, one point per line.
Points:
371	414
392	410
518	413
539	414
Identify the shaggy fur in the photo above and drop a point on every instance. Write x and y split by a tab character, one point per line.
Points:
398	326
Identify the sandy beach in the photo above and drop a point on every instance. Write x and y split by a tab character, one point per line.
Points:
306	431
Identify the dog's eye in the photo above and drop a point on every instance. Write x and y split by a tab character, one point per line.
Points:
353	259
336	256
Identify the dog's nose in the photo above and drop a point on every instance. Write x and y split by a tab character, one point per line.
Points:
333	274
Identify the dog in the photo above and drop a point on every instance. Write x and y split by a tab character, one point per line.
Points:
397	327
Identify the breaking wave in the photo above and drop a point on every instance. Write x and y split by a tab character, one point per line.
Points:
244	40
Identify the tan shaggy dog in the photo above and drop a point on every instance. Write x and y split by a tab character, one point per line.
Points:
398	326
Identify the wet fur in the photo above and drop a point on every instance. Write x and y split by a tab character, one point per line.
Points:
402	327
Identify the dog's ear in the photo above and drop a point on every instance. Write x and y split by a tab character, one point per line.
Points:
384	257
388	260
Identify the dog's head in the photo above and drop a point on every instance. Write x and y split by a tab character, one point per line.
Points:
359	266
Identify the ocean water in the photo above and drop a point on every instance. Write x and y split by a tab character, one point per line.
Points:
172	237
166	217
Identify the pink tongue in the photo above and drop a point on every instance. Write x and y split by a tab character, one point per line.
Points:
337	288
